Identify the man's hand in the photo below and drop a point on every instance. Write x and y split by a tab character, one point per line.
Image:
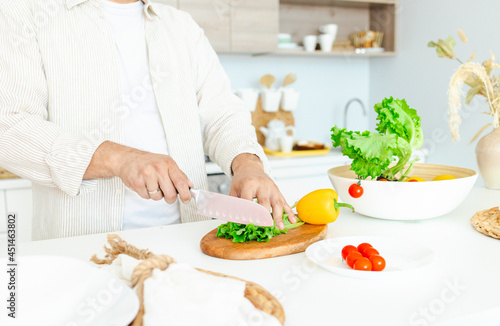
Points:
250	181
152	176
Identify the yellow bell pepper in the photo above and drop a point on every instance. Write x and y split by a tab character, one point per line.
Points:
320	207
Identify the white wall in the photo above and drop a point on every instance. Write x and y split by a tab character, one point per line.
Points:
325	83
418	75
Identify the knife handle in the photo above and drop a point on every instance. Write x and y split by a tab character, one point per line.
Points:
194	193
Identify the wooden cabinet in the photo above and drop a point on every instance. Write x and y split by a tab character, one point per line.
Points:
237	25
214	17
303	17
254	25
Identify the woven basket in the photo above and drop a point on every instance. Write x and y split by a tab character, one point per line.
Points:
487	222
255	293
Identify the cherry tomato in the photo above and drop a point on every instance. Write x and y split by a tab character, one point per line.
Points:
363	246
382	179
414	179
378	263
363	264
352	258
355	190
347	250
370	251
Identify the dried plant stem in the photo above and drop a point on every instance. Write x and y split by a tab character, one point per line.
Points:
455	94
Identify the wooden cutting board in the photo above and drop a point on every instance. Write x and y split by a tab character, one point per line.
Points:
295	240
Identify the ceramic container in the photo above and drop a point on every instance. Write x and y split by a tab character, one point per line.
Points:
406	200
289	99
488	159
249	96
286	143
326	42
329	29
275	130
310	42
271	99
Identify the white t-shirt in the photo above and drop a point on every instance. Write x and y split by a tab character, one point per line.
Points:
142	124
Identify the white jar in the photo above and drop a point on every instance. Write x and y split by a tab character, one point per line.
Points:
271	99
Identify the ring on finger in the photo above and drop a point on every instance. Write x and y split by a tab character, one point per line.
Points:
154	192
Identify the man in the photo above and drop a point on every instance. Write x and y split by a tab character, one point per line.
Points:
108	108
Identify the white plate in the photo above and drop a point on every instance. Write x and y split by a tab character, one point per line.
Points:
290	46
401	257
68	292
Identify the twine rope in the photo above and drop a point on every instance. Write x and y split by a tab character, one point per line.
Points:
256	294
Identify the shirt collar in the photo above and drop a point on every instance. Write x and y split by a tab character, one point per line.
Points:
149	8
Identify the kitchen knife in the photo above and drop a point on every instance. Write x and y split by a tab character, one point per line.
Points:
230	208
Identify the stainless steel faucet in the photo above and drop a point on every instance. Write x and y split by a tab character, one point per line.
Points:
347	108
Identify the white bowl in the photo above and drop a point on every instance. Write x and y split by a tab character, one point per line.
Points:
406	200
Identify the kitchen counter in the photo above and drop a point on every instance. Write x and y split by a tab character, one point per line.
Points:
463	280
281	164
14	183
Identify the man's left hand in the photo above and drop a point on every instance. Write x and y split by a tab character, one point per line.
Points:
250	181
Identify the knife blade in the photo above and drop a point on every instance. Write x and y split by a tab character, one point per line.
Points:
231	209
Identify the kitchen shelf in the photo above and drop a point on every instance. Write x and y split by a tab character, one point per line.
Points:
344	3
332	54
300	18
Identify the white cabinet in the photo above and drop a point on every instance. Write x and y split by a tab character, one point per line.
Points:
3	220
20	202
297	177
295	188
16	197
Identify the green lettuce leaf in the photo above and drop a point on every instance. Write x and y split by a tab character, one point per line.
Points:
248	232
399	133
396	117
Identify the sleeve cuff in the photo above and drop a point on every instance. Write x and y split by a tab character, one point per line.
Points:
250	149
68	160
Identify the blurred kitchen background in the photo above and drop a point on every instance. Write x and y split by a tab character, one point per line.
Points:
356	52
408	69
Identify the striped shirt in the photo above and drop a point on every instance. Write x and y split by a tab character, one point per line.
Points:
60	98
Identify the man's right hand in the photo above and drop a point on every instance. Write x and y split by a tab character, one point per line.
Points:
154	176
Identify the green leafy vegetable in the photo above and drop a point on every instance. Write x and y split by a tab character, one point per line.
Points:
399	134
248	232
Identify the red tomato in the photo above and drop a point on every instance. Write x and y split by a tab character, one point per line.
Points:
355	190
347	250
412	180
378	263
370	251
382	179
363	246
352	258
363	264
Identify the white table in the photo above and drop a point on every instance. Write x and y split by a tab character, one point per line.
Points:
313	296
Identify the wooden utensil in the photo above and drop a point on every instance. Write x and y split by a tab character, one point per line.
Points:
289	79
294	241
267	80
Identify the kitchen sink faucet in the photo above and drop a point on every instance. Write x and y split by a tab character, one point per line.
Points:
347	108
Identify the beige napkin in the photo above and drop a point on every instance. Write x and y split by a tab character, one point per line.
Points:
181	295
